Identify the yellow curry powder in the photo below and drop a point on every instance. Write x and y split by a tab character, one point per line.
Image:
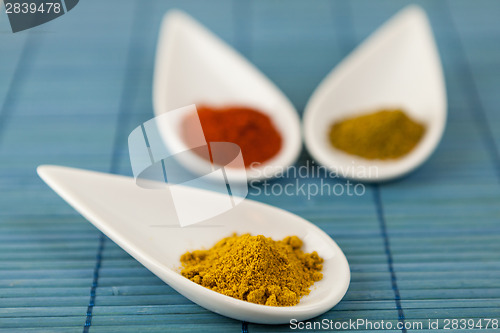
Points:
386	134
255	269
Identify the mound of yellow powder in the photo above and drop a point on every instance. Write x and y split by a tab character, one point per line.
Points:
255	269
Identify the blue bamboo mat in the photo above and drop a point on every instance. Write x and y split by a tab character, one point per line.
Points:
425	247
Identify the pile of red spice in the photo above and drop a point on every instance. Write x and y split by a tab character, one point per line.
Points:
252	130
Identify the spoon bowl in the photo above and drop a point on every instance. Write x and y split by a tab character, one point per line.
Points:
193	66
397	67
143	223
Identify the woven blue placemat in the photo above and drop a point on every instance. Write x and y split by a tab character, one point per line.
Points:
423	248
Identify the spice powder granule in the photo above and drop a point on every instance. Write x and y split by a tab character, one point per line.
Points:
255	269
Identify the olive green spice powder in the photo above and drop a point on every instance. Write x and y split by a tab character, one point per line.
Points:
383	135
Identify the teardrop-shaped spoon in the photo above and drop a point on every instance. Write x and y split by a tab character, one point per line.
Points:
143	222
193	66
397	67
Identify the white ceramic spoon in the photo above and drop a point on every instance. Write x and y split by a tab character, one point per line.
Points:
193	66
143	223
398	66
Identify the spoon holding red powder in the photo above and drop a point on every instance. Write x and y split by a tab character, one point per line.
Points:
252	130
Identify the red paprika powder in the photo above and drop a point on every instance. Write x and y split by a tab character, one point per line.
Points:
252	130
